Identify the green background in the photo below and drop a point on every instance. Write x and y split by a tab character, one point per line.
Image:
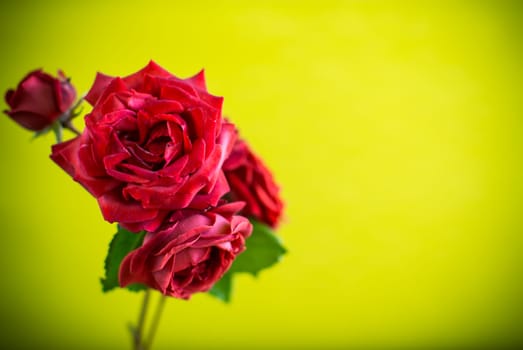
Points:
394	128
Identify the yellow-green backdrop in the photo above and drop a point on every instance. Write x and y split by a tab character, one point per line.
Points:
393	127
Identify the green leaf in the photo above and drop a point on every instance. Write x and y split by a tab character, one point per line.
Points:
122	244
136	287
222	288
264	249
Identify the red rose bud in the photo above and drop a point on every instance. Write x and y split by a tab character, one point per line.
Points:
153	143
252	182
40	99
190	253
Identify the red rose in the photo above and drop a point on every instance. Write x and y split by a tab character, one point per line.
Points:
39	100
153	143
252	182
190	253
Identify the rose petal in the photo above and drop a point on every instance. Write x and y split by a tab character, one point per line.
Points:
197	80
116	209
101	82
189	256
135	81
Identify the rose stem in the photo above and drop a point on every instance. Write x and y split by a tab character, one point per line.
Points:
156	321
137	332
67	122
57	128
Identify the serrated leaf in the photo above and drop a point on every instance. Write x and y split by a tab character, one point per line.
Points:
136	287
122	243
222	288
264	249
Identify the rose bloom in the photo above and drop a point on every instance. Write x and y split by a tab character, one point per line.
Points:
252	182
40	99
153	143
190	253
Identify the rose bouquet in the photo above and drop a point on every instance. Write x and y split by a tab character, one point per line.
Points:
193	203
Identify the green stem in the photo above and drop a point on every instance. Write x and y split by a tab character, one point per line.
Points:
156	320
57	128
66	120
137	332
